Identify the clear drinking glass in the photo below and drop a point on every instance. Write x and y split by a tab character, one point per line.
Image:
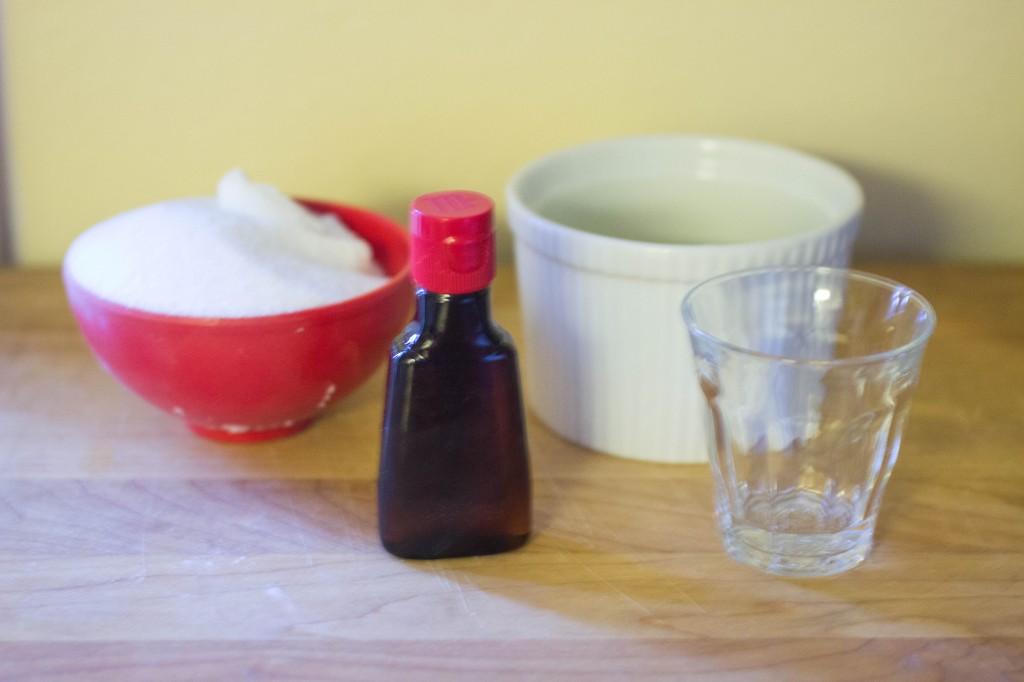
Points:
808	374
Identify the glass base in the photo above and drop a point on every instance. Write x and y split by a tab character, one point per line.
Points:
798	555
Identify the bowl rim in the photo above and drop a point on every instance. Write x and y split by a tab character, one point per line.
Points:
541	226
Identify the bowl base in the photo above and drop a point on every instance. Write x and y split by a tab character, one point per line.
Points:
239	435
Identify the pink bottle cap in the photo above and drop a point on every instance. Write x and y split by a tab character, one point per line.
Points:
452	241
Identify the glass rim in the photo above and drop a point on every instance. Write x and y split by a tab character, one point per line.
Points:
920	337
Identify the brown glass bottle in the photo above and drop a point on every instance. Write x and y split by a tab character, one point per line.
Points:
454	470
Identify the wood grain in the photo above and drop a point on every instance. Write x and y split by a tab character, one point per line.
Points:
130	549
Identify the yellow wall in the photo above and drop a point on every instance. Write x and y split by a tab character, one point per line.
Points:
117	103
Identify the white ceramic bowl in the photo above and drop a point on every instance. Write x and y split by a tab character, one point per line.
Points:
609	237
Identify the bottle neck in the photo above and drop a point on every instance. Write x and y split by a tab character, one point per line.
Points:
453	313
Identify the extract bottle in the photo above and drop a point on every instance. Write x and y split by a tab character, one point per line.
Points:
454	469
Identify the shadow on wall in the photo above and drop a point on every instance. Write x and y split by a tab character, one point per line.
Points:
902	218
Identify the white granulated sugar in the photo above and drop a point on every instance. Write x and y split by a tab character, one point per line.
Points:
251	251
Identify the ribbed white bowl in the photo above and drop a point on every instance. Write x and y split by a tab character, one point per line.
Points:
607	357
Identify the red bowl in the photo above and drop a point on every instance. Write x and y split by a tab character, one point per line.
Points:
252	379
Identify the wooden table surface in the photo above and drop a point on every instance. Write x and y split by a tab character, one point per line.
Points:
132	549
